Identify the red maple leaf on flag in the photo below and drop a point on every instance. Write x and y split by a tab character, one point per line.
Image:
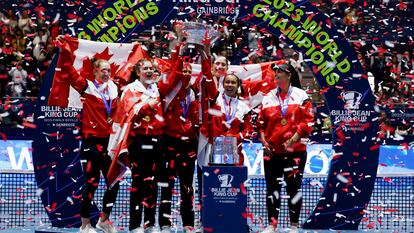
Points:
87	67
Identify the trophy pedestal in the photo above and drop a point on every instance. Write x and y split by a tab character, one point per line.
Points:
224	199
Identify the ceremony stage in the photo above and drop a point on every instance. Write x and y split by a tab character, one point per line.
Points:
391	208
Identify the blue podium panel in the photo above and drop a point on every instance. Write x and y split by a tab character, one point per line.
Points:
224	199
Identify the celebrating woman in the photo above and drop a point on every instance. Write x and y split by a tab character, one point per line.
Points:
223	113
140	108
180	137
100	98
138	127
226	115
285	118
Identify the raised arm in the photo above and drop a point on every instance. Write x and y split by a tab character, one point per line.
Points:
65	62
208	83
169	81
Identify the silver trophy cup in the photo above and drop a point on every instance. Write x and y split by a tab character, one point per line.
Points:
225	151
196	32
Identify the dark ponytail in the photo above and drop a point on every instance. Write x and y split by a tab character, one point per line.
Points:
294	78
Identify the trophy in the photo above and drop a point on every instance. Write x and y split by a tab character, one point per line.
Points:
196	32
225	151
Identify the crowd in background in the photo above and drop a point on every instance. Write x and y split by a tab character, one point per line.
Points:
380	31
26	50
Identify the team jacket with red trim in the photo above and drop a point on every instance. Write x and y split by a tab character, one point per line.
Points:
180	105
225	115
147	120
134	116
94	117
299	116
250	88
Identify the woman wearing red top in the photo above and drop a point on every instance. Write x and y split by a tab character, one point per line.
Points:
223	114
99	98
286	116
99	103
248	87
180	137
140	108
227	113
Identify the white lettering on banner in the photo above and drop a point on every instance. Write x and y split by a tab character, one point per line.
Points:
355	116
225	195
60	117
217	10
24	157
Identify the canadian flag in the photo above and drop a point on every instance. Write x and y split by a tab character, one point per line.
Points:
78	52
250	74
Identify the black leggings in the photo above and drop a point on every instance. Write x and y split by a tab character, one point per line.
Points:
290	166
200	191
145	154
94	159
178	160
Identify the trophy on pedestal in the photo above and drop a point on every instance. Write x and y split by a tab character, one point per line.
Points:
225	151
195	32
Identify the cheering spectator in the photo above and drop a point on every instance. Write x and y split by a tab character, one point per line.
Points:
25	23
19	41
41	36
19	79
11	19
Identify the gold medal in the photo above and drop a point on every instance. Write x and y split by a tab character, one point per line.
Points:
147	118
109	120
283	121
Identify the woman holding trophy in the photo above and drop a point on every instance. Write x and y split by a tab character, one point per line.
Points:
180	137
285	118
247	87
223	117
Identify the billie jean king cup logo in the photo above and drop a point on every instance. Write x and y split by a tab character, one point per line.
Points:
352	99
225	180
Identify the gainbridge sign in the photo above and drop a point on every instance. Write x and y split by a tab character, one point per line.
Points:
354	157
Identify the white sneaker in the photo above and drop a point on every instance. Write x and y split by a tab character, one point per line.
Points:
152	229
106	226
189	229
87	229
138	230
166	229
269	229
199	230
293	230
